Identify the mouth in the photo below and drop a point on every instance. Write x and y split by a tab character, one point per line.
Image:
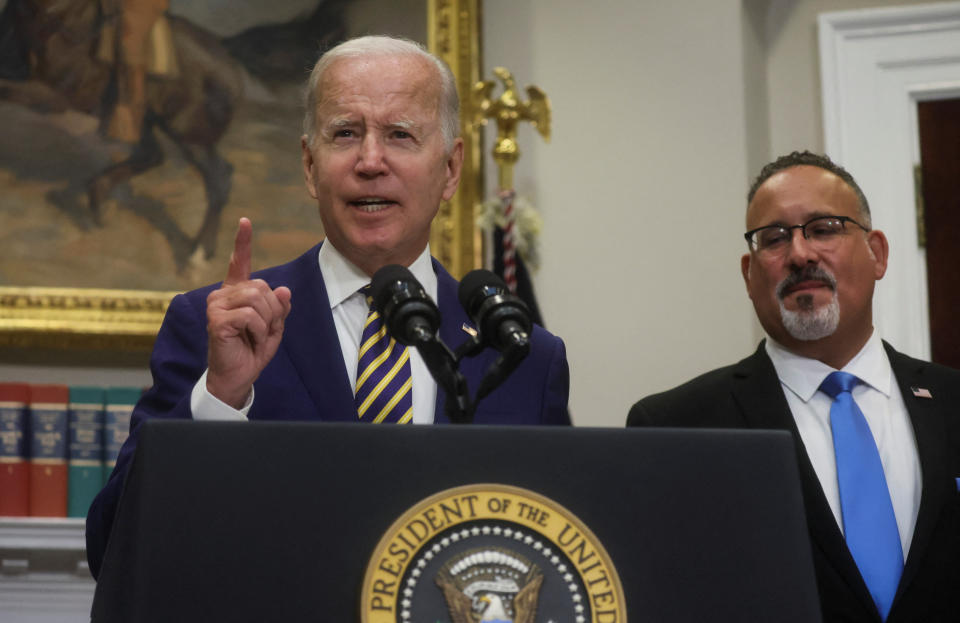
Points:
372	204
806	281
805	286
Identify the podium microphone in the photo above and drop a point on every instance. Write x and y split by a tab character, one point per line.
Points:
412	318
409	314
503	322
502	318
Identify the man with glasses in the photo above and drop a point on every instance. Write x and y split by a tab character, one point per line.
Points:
878	433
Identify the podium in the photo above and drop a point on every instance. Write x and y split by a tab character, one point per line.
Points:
336	523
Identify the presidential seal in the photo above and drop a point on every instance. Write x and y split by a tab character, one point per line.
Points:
492	553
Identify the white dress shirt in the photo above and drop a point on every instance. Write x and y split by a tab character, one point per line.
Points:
879	398
349	308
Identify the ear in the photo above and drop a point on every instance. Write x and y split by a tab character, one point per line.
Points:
880	249
745	269
454	166
306	156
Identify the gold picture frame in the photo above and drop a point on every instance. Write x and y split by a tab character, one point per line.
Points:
127	320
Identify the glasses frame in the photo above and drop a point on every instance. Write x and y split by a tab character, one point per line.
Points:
748	236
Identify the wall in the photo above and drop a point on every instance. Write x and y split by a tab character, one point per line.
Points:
793	76
663	113
640	189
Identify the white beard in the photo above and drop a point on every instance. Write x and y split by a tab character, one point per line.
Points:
808	324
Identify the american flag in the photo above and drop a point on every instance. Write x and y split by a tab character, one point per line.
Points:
921	392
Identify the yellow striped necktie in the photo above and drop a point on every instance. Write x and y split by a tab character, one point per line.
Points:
384	383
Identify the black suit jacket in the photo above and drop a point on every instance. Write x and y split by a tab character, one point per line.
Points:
748	394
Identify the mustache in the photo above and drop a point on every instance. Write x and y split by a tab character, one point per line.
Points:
807	273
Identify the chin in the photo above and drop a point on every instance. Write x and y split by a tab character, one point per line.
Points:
808	325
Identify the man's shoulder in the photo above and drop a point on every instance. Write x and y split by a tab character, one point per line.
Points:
943	382
707	384
447	285
704	400
902	361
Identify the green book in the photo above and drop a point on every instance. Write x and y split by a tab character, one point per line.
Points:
85	450
119	407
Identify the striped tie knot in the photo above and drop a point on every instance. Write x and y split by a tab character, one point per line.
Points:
384	382
367	295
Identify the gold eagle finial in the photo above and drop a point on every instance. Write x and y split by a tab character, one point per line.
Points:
508	111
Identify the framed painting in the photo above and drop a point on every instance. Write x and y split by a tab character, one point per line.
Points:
105	215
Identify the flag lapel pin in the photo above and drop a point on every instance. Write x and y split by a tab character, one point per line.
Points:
921	392
473	332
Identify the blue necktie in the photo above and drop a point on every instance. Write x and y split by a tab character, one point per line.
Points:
869	524
384	380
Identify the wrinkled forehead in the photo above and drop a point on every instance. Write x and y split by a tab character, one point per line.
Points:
399	80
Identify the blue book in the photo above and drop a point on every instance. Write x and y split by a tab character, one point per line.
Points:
48	450
85	451
118	409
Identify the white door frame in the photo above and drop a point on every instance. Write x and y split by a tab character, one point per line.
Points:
876	64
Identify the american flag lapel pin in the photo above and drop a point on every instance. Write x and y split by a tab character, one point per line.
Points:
921	392
473	332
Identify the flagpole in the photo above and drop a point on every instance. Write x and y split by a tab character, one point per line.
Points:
508	110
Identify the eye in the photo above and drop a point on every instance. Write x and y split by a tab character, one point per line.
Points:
824	227
402	134
344	133
772	236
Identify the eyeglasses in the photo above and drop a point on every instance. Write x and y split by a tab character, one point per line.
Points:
822	232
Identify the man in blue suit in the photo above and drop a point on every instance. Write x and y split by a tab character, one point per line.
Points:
380	152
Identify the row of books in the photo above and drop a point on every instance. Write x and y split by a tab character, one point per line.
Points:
58	445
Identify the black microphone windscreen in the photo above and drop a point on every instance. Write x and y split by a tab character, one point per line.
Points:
476	282
384	277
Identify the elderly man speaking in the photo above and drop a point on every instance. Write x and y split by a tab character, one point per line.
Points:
380	152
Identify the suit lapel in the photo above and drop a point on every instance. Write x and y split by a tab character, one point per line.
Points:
758	392
930	431
311	343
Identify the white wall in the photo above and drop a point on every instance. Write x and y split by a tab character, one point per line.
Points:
640	190
663	113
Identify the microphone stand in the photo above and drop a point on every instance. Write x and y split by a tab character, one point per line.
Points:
443	364
500	369
443	368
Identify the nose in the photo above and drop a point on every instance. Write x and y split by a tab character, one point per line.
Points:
370	159
801	251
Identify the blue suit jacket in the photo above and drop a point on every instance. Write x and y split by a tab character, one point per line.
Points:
306	379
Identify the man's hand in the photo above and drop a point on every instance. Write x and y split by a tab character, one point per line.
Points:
245	324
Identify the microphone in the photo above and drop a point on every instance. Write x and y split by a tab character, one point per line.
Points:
412	319
502	318
503	322
409	314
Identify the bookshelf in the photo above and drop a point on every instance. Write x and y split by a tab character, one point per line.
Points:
43	570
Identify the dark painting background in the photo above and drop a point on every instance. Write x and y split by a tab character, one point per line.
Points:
48	237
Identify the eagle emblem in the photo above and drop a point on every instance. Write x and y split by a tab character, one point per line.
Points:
490	585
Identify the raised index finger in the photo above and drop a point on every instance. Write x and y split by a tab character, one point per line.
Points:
239	268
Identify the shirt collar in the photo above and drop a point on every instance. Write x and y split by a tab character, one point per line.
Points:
803	375
342	278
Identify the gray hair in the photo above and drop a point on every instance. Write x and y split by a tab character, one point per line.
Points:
799	158
381	45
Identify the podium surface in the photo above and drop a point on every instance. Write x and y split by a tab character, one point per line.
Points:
274	521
